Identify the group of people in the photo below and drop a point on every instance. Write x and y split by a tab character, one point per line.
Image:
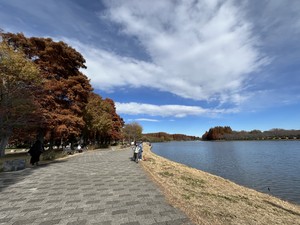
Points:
137	151
37	149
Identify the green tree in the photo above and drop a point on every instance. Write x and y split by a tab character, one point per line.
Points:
18	77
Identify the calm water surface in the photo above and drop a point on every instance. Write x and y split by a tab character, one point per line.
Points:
256	164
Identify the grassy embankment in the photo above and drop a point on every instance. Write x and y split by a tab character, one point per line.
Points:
209	199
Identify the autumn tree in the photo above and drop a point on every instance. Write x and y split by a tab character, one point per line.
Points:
65	89
103	124
217	133
115	133
18	77
97	119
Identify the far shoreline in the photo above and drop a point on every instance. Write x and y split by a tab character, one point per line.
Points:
223	140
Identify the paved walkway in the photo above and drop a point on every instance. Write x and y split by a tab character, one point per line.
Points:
96	187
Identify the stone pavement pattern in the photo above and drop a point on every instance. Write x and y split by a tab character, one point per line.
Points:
96	187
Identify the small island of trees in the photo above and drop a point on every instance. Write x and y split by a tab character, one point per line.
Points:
226	133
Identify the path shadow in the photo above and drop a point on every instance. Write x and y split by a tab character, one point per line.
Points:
10	178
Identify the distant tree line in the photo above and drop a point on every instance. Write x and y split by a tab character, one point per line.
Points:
44	95
226	133
162	137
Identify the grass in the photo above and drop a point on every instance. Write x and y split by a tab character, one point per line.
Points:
166	174
192	181
212	200
13	156
46	157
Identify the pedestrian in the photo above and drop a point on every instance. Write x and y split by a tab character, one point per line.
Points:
140	153
35	151
133	146
79	148
136	151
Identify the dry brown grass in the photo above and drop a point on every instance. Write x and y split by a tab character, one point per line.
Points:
209	199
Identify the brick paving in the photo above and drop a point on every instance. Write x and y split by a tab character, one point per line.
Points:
96	187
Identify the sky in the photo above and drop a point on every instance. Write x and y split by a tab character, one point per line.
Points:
180	66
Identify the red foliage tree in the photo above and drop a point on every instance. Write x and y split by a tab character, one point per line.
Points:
65	89
115	133
216	133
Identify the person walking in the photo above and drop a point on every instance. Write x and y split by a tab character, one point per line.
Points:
35	152
140	153
137	152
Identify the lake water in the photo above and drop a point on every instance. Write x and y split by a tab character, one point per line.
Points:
256	164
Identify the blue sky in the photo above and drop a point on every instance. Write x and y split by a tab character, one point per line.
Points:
180	66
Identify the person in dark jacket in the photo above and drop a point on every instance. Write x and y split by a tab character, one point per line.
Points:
35	152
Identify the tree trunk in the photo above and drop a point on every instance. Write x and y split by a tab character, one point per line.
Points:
51	143
3	144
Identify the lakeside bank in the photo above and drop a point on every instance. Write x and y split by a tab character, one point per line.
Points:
209	199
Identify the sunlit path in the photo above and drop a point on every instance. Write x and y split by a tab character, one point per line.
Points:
97	187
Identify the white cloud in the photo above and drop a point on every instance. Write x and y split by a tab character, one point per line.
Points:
178	111
108	70
202	50
147	120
